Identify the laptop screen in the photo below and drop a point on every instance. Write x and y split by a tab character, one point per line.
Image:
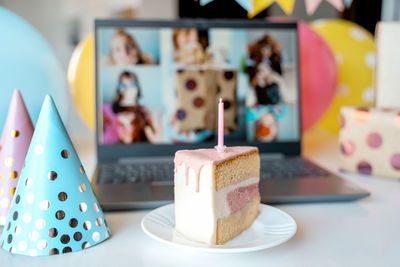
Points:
159	83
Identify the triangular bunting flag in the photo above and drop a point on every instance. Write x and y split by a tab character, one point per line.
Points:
205	2
312	5
246	4
286	5
348	3
338	4
260	5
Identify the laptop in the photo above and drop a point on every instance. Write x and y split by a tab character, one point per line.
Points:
157	88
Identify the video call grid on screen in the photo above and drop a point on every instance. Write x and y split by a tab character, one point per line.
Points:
161	85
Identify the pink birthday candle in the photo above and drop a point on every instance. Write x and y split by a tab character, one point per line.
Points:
220	147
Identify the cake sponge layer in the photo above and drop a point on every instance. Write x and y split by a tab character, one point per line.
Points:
235	170
232	225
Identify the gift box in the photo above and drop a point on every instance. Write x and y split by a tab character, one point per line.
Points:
370	141
198	89
387	78
226	89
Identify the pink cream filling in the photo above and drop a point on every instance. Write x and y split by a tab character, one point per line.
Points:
239	197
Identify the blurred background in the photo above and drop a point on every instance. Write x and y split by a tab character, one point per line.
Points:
64	23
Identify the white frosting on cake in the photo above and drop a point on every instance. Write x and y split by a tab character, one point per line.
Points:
194	211
197	211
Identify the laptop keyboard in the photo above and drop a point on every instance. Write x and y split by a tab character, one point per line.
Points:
135	173
288	168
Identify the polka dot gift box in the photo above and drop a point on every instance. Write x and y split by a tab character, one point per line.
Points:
226	89
54	210
14	143
369	141
198	88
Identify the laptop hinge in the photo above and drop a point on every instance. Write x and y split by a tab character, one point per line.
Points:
145	159
167	159
266	156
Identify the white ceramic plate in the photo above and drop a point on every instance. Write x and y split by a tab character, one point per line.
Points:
271	228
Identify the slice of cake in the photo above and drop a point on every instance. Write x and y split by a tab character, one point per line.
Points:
216	193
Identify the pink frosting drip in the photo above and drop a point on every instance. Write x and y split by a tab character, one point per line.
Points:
239	197
196	159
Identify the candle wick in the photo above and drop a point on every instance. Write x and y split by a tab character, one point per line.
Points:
220	100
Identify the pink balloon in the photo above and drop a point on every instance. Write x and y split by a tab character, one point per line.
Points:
318	75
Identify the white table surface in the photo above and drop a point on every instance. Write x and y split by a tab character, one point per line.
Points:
361	233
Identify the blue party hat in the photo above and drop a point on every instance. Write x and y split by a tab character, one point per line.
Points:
54	209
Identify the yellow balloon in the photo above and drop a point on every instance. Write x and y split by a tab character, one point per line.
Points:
354	50
81	79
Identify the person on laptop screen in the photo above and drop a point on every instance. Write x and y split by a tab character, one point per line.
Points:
125	50
171	99
134	121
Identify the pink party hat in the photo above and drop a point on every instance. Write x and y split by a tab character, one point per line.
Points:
14	144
